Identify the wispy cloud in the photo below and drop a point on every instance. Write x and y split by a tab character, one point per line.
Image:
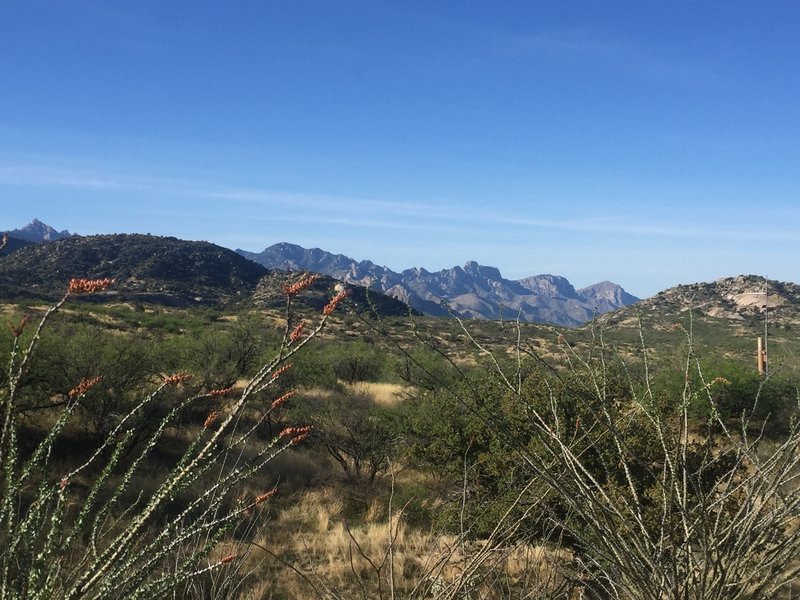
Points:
28	175
38	176
469	218
627	226
588	45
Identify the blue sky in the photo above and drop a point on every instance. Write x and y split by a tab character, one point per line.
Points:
648	143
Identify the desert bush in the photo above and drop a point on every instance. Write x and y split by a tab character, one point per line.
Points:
655	504
652	500
734	389
313	369
70	351
357	361
354	432
223	355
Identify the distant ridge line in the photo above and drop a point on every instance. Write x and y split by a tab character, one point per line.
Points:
472	291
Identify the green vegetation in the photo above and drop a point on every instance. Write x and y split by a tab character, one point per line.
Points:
134	508
447	460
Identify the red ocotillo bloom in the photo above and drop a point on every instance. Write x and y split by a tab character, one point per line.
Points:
296	434
277	402
218	393
297	331
295	288
88	286
211	419
84	386
17	330
177	377
265	496
331	306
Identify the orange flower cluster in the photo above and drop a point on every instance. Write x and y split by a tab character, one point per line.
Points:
229	558
282	370
265	496
17	331
297	331
297	434
177	377
211	419
297	287
88	286
84	386
276	403
331	306
217	393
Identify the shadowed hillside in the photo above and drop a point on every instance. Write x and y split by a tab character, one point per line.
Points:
147	268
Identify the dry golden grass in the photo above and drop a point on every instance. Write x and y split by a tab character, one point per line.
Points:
382	394
311	544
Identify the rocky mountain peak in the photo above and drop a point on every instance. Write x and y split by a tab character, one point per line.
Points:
473	268
38	232
415	272
552	285
607	293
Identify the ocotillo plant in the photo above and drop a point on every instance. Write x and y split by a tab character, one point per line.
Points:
68	534
659	504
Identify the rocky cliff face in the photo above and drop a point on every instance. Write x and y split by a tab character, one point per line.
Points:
474	290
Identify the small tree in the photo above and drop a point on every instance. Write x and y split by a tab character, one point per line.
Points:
357	362
353	433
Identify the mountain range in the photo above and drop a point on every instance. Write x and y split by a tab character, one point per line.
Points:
472	291
168	272
165	270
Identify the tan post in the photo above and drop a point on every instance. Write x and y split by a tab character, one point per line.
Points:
760	357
